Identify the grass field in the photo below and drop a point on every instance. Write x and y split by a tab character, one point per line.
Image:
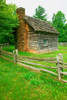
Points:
19	83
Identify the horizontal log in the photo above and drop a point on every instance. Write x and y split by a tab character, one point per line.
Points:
63	66
6	58
38	58
7	52
51	61
37	64
64	73
38	69
21	58
48	71
28	66
3	53
64	80
4	44
63	63
26	59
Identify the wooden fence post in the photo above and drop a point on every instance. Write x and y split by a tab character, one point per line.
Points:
1	50
59	59
14	56
15	53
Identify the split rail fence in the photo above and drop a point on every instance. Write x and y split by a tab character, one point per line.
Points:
28	62
4	44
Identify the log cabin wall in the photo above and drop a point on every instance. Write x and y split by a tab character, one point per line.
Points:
51	39
33	42
36	42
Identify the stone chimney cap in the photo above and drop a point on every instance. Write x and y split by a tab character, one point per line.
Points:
20	9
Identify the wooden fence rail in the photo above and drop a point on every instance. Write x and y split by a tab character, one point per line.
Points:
4	44
26	61
3	52
36	64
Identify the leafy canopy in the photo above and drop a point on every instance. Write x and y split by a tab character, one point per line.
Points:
40	13
59	22
8	20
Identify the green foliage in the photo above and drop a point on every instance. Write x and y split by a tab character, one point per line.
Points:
8	21
40	13
65	32
2	1
58	22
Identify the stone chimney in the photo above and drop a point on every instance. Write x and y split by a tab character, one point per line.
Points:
21	12
21	31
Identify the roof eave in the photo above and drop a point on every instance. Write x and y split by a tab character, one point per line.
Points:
46	31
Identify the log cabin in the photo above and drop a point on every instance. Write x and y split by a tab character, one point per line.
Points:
35	35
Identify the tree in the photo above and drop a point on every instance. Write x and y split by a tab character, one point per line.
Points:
40	13
65	32
8	21
58	21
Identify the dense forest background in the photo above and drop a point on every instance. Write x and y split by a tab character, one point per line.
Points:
9	22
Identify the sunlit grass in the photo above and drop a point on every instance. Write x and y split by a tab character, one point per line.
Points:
51	54
19	83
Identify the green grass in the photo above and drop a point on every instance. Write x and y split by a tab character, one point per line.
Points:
51	54
62	50
19	83
9	48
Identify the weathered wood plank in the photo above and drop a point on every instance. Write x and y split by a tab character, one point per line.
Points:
14	56
64	73
59	58
59	72
28	66
38	69
37	64
6	58
63	66
34	59
64	80
0	50
4	44
49	71
6	54
37	58
63	63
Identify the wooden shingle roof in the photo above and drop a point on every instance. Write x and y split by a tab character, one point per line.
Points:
40	25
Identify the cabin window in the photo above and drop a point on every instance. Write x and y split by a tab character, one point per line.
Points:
45	42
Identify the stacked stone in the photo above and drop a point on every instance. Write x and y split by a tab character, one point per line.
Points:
21	31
